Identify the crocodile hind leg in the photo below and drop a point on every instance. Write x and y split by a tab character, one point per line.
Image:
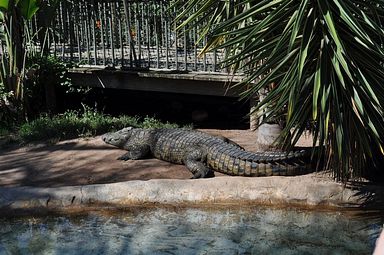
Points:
194	161
135	151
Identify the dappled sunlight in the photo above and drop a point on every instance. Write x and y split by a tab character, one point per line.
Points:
78	162
8	177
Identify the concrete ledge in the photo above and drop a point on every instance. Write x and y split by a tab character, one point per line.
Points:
308	191
209	84
164	73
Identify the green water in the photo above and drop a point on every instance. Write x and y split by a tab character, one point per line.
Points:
191	231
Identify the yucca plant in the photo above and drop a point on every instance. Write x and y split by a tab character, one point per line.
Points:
14	14
325	58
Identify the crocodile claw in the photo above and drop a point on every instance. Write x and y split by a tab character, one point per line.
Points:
124	157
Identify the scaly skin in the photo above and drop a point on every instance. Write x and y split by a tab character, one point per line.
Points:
201	153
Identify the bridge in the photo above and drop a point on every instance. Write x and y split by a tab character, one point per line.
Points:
134	45
128	34
134	39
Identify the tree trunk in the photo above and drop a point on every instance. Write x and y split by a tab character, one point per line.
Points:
13	76
16	22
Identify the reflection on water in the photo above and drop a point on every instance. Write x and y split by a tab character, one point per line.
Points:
191	231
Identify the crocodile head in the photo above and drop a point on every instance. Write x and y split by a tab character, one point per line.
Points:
118	138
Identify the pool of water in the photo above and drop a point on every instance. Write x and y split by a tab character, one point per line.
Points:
191	231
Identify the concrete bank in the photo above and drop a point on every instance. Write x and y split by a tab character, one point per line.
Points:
308	191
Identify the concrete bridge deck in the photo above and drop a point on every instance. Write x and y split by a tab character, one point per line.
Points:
198	83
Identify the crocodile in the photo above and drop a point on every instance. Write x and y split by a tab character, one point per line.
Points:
203	154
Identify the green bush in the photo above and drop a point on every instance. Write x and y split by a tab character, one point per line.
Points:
150	122
72	124
45	74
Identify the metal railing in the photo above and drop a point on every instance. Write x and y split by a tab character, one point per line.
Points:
128	34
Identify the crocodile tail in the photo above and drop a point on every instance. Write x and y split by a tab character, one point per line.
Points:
233	161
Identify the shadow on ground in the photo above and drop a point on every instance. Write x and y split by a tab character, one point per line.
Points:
78	162
91	161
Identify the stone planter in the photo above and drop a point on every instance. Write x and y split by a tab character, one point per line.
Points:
267	135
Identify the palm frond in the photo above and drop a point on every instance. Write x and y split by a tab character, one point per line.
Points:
326	57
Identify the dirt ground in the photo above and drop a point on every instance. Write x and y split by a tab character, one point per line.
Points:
91	161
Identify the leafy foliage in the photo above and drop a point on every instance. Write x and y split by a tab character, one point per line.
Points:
13	55
44	74
16	48
28	8
325	58
89	122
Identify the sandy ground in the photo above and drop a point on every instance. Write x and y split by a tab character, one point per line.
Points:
91	161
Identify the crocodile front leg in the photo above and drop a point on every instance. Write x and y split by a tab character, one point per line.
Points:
135	151
194	161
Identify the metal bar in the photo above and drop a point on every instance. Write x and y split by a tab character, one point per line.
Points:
130	35
166	30
84	34
54	34
70	35
81	22
162	34
164	17
120	34
77	32
137	30
185	49
106	31
214	67
63	31
148	38
142	11
94	24
205	56
101	31
157	41
87	34
112	6
129	32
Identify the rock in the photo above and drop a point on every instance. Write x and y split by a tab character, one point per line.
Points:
267	135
